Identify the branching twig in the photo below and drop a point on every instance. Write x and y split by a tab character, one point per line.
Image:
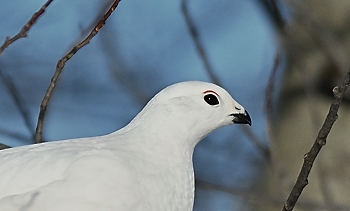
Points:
320	141
25	28
60	65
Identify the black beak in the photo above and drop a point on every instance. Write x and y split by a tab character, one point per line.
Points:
242	118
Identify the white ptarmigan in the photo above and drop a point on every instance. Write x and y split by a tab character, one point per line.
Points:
145	166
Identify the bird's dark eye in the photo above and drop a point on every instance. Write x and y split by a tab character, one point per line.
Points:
211	99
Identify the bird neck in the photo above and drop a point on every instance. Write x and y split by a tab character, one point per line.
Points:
166	128
168	139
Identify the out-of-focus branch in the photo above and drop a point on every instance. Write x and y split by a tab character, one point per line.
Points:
270	89
3	146
60	65
320	141
17	100
203	55
327	39
13	135
262	148
270	101
271	7
123	74
199	45
25	28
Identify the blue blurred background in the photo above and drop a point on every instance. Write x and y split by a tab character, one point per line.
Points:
144	46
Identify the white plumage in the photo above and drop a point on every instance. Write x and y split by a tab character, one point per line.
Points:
145	166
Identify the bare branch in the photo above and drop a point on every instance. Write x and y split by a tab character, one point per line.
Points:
320	141
23	33
60	65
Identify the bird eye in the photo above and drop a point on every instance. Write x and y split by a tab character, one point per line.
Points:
211	99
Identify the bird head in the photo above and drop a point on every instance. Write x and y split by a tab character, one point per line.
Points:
192	109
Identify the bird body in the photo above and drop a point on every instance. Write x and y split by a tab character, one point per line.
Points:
145	166
93	178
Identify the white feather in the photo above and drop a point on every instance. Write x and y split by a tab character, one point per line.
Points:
145	166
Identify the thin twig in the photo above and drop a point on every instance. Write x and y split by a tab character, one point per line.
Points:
320	141
23	33
60	65
310	92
